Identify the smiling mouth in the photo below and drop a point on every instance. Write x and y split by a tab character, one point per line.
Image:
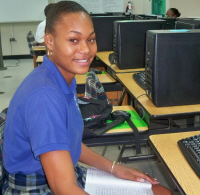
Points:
82	61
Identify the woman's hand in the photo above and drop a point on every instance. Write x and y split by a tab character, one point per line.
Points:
131	174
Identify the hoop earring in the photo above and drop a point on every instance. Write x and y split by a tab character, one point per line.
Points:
49	53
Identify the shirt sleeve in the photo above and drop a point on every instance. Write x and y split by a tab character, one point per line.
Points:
40	32
46	121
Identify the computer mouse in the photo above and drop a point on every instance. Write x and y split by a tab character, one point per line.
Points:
97	71
111	58
120	114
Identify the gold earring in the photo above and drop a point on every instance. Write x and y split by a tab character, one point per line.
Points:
49	53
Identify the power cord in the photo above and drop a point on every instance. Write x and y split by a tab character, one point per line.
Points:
17	64
143	115
140	95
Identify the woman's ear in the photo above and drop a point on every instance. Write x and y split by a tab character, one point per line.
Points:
48	39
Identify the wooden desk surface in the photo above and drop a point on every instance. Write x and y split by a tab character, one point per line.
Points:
39	48
127	80
103	78
140	129
39	59
166	145
103	56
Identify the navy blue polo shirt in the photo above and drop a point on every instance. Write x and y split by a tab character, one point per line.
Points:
43	116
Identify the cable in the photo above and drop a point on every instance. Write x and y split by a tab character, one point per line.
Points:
11	48
141	95
17	64
143	115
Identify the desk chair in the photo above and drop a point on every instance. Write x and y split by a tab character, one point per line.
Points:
31	42
2	125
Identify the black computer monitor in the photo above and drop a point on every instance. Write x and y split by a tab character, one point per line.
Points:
115	13
98	14
138	17
184	25
170	22
103	26
150	17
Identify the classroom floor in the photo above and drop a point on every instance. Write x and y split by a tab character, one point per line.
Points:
11	78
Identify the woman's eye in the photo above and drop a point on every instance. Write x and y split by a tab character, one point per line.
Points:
73	40
91	40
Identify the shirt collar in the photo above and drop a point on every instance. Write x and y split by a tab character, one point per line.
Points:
59	77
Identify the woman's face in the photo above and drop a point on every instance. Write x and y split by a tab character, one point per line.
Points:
73	45
170	14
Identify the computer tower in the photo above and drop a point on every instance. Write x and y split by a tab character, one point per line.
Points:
103	27
173	67
129	42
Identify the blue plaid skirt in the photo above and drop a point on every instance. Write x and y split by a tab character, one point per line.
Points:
35	184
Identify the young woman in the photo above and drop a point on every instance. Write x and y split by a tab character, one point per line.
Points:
43	133
173	12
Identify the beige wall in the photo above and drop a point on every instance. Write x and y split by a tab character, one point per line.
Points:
187	8
19	33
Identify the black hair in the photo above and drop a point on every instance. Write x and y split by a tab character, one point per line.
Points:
176	12
58	10
47	8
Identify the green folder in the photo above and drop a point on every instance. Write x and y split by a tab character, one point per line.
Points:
103	72
138	122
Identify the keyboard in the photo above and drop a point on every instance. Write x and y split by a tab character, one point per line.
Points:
190	147
139	78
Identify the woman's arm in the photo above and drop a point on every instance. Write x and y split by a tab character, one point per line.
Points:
91	158
59	170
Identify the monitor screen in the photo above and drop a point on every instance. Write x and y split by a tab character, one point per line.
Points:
103	27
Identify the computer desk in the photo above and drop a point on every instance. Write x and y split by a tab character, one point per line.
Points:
146	109
38	51
144	106
119	137
106	80
167	149
39	60
112	69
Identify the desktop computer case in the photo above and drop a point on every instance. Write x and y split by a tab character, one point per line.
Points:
129	41
173	67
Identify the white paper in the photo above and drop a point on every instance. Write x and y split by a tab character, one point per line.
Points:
113	5
101	6
102	183
92	6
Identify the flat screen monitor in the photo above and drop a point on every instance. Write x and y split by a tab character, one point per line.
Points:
184	25
103	27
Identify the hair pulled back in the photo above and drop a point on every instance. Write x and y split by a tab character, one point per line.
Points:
57	11
47	8
175	11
